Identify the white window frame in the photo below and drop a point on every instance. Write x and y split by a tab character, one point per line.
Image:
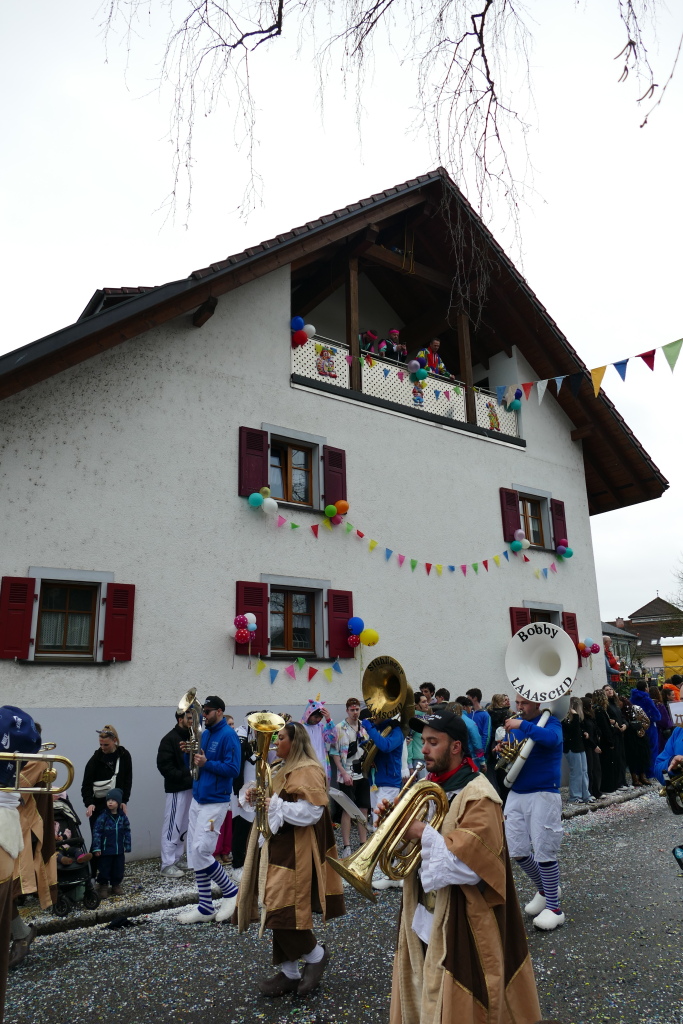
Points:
319	589
313	441
544	606
40	574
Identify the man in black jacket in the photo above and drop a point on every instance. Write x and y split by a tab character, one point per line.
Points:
174	765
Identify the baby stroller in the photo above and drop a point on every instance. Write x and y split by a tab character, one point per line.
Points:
74	884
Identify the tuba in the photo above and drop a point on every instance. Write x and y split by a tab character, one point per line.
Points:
387	847
48	776
264	724
386	692
189	702
673	790
540	663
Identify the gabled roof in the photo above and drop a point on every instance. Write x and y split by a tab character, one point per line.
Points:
658	608
619	471
609	629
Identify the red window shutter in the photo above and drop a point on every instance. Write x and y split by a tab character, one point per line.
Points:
509	507
559	522
253	468
118	622
571	626
334	476
16	612
339	611
519	617
253	597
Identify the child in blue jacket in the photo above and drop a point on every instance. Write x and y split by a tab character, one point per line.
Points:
110	844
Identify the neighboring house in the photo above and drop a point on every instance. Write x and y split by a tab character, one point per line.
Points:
656	619
623	643
132	438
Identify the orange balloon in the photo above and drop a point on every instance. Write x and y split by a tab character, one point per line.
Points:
342	507
581	646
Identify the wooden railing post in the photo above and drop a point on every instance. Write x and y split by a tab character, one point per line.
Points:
465	352
352	339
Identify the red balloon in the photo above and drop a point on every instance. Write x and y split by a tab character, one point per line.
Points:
336	520
585	653
242	636
299	338
564	542
353	640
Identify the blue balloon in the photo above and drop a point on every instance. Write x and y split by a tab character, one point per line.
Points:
255	499
356	625
423	362
251	626
298	323
518	393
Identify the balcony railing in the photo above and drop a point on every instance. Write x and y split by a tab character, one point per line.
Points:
327	361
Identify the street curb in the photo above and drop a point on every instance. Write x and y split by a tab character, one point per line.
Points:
607	801
102	916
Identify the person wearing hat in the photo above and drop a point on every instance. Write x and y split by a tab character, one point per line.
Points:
219	761
110	844
174	764
461	951
110	767
392	348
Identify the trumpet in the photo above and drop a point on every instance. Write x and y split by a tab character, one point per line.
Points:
48	776
264	723
388	847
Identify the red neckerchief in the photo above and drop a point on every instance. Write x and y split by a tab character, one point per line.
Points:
440	779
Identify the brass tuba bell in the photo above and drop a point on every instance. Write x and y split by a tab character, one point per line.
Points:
386	693
264	724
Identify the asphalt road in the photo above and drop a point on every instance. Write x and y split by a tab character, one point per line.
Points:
617	959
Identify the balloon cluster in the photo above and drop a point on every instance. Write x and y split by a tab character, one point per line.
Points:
515	405
242	628
301	332
358	634
562	548
418	372
520	543
262	499
588	647
335	512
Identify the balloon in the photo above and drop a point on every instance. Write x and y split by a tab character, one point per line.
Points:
514	405
269	506
309	330
355	625
353	640
526	544
342	507
264	492
242	636
336	520
519	535
299	338
585	653
564	542
516	545
231	631
297	323
413	377
241	621
369	637
330	510
568	553
251	628
250	617
518	393
420	374
413	366
595	648
422	361
255	499
561	549
588	641
581	645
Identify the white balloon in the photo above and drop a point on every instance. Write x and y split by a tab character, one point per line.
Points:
310	330
231	631
525	544
269	506
250	617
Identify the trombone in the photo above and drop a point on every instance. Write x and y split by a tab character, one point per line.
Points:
48	776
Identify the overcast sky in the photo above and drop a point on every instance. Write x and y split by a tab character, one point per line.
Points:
86	171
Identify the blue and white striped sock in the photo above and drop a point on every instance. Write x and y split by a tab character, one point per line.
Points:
204	889
218	875
550	873
529	865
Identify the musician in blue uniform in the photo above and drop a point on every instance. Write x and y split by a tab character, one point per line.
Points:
533	812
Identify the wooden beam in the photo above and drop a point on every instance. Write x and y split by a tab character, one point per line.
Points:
578	433
404	265
465	353
325	281
205	312
352	327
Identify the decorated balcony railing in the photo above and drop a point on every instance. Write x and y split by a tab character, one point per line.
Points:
328	362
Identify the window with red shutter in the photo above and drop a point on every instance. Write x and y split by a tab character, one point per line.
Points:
253	597
334	475
339	611
16	612
118	622
253	461
558	520
571	626
509	507
519	617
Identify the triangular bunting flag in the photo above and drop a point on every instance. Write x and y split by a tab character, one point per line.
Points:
311	672
327	672
400	375
485	563
300	662
428	567
436	393
439	569
526	388
260	665
475	566
451	568
349	359
401	559
336	667
620	367
327	524
448	395
500	391
314	529
596	376
575	382
545	573
273	675
526	559
281	520
537	573
506	556
672	351
457	390
463	570
385	371
388	553
348	527
359	534
291	671
413	563
558	382
294	526
372	545
648	358
540	387
509	393
553	567
496	559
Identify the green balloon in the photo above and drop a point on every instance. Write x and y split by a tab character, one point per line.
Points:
516	545
330	510
421	374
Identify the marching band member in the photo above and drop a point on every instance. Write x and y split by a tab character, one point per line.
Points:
462	953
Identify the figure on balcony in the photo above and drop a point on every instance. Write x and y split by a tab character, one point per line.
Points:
392	348
418	397
435	363
368	340
325	361
494	422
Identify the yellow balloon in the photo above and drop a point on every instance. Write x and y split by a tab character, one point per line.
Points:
265	492
369	637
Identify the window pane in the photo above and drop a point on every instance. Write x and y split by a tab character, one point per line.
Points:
51	629
54	597
536	534
301	632
277	630
300	488
78	632
276	479
277	601
300	457
80	600
301	603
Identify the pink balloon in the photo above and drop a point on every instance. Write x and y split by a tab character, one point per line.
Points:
564	542
241	621
520	535
595	648
336	520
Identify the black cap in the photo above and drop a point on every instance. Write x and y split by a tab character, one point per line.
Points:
442	720
214	703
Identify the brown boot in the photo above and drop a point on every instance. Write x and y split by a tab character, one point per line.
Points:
102	890
20	948
312	973
278	985
116	890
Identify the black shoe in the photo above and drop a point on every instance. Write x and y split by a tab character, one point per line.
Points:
278	985
312	973
20	948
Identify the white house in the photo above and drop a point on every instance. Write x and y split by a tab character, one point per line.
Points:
131	440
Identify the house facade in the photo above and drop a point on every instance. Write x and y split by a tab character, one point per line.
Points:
649	624
132	440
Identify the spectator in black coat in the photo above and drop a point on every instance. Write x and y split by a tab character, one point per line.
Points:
174	765
110	767
591	739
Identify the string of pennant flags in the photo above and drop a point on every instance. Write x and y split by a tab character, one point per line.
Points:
298	663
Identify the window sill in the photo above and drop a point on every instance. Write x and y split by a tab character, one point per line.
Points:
294	506
70	662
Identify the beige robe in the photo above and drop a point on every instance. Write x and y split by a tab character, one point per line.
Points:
35	869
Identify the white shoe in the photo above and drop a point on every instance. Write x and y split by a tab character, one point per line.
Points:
535	906
172	871
227	908
387	883
194	916
346	852
548	920
236	875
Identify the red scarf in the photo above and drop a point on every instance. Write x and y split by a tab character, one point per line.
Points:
440	779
